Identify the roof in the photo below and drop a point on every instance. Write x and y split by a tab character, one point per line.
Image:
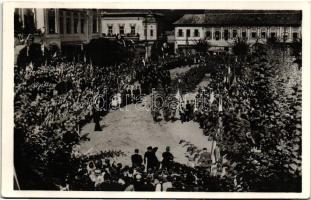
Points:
241	18
126	13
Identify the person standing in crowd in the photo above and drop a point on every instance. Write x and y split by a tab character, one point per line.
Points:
181	112
150	158
137	159
96	118
167	183
155	158
138	183
205	158
167	158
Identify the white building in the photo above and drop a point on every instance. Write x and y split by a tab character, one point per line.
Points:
221	28
141	26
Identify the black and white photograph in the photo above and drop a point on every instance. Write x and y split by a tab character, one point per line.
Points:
157	100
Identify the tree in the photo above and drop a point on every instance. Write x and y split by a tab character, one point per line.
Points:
240	48
202	46
273	42
263	143
106	52
155	51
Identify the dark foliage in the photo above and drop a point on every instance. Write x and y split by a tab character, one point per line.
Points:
240	48
107	52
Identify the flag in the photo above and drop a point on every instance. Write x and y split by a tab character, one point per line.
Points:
212	98
144	63
132	41
234	80
91	68
220	109
195	105
27	51
178	96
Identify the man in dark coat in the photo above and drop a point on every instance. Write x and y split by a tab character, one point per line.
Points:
96	118
167	159
137	159
188	111
150	158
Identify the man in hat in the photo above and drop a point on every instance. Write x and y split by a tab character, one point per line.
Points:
138	183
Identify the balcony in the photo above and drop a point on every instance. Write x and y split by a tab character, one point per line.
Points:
134	37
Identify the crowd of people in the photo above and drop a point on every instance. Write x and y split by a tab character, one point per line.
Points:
177	101
147	173
55	101
76	92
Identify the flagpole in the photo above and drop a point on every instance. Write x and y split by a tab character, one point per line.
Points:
212	146
16	180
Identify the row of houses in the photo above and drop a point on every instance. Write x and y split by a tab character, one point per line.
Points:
222	28
75	27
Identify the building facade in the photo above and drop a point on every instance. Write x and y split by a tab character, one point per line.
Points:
222	28
139	26
61	27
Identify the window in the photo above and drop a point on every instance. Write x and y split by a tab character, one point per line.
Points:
61	22
272	34
263	34
217	35
295	36
133	31
196	33
121	30
51	21
226	34
180	33
188	33
75	23
68	23
208	34
234	33
151	33
82	25
110	30
29	21
254	34
94	24
243	34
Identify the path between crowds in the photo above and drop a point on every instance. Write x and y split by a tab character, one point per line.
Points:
181	70
133	127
